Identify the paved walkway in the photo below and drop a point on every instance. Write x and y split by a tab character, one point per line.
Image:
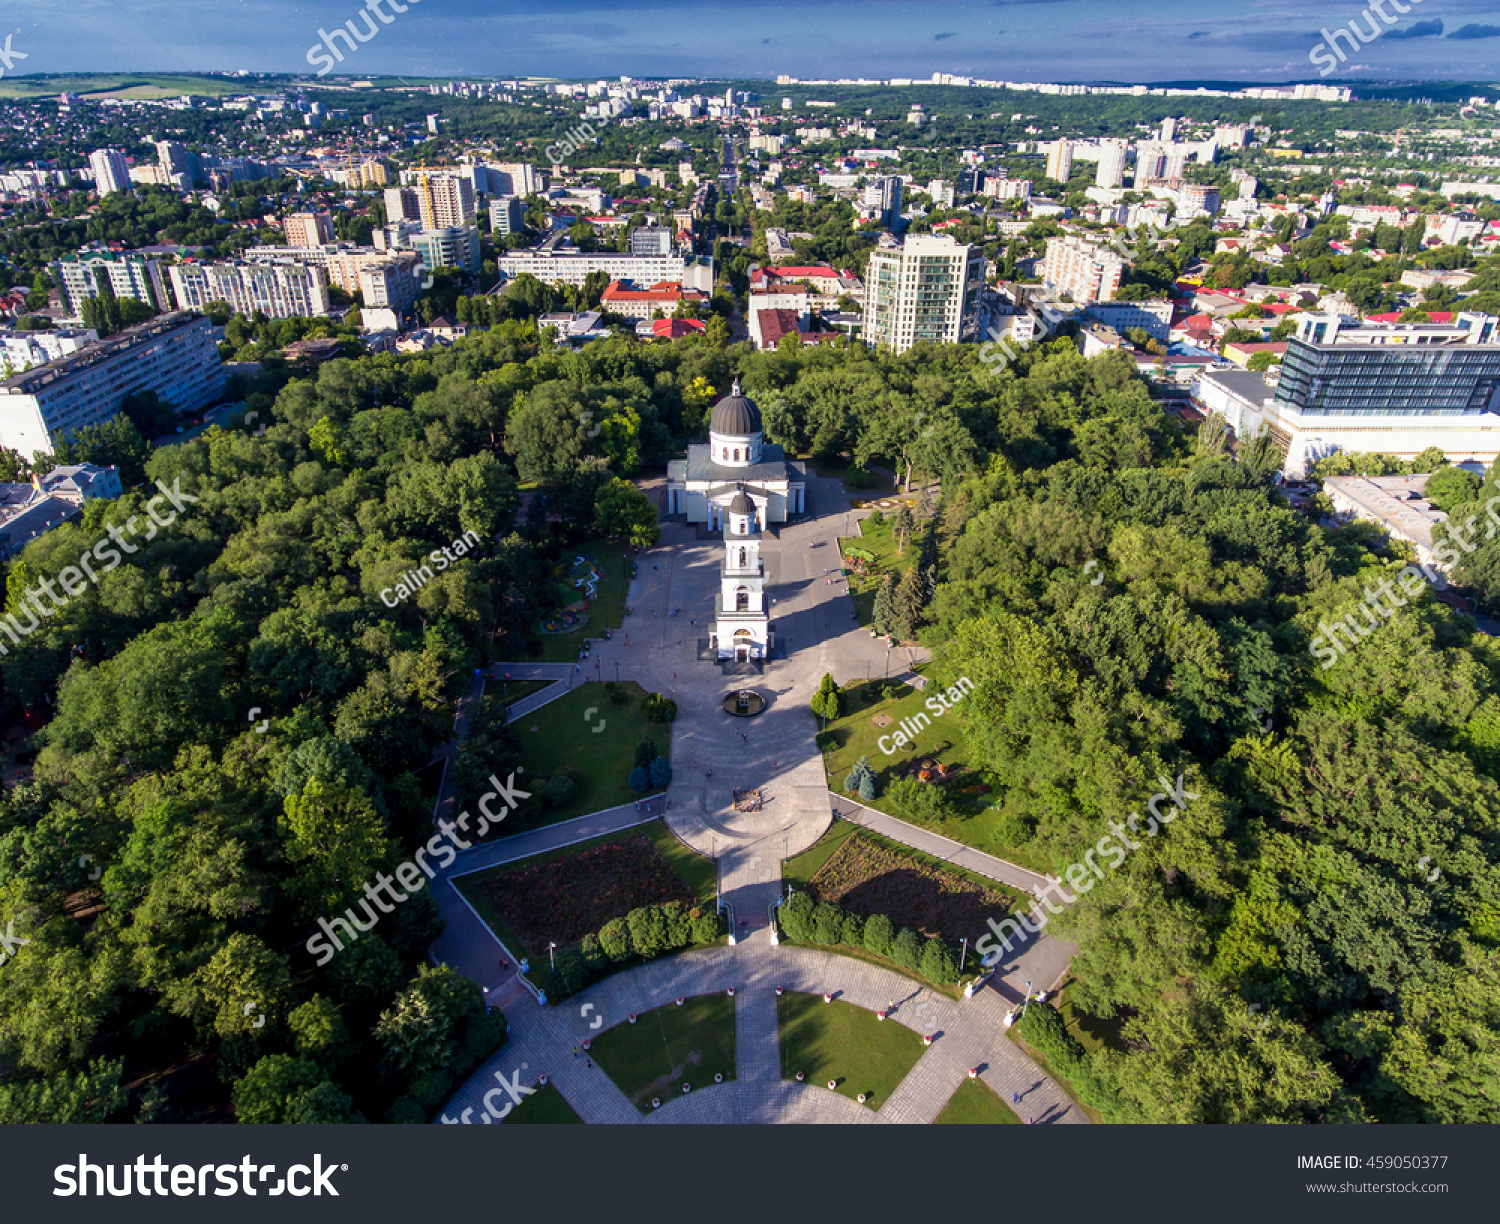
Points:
713	753
967	1033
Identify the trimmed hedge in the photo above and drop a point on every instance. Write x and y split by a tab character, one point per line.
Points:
645	932
1043	1028
805	921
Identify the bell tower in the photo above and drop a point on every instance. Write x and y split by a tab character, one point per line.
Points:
743	623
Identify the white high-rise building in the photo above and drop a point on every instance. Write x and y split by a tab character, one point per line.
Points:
279	291
927	289
1060	160
110	171
1111	163
1082	270
444	200
1168	130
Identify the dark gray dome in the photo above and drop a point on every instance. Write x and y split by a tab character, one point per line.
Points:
741	504
735	416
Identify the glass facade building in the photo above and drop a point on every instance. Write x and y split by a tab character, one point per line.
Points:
1390	379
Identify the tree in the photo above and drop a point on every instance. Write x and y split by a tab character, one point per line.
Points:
907	604
640	779
623	512
903	528
861	779
661	773
335	832
320	1034
882	617
906	950
88	1095
272	1088
938	964
880	933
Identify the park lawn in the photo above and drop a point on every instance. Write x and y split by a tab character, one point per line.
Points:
880	540
698	872
545	1106
853	734
516	691
841	1042
562	733
669	1047
976	1104
605	612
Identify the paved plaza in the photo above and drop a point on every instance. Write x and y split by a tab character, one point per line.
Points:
712	754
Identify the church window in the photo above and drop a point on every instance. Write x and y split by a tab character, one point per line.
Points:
736	454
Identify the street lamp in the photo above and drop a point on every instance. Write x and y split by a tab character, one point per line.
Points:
552	957
1027	1002
963	952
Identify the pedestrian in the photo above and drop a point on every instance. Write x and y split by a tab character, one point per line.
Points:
590	1062
1030	1121
1015	1098
575	1051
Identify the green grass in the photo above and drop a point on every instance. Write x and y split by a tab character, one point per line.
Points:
976	1104
981	822
545	1106
564	735
880	540
698	872
841	1042
516	691
605	612
669	1047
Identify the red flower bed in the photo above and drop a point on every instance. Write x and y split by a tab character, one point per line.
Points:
571	897
871	879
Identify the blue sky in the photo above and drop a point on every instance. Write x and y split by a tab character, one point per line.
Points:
1061	40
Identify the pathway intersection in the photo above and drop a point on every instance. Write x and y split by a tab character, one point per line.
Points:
712	754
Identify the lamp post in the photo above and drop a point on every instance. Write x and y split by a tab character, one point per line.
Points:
552	957
963	952
1027	1002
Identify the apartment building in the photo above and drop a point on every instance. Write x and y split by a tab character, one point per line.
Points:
308	229
110	172
401	204
22	350
507	215
452	246
570	267
925	289
1060	160
342	262
1111	172
1081	270
127	274
278	290
444	201
651	240
173	355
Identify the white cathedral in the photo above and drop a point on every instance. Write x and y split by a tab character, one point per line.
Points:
738	484
736	457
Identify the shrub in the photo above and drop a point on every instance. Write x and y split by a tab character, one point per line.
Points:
922	802
559	789
852	933
1045	1031
619	697
640	779
858	478
661	772
658	708
707	927
861	779
906	951
648	931
645	753
938	964
879	934
796	915
614	938
679	924
876	518
828	923
593	953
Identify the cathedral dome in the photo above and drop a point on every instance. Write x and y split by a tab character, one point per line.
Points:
741	504
735	416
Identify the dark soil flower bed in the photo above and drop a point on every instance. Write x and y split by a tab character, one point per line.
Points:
871	879
569	898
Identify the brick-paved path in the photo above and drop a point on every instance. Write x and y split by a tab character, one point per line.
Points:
968	1033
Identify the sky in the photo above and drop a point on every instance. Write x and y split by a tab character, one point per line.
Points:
1022	40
